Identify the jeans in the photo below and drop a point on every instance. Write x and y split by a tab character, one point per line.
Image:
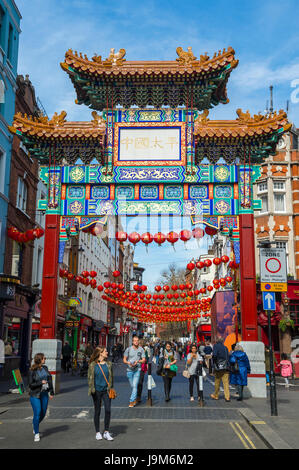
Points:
97	401
39	406
133	377
191	384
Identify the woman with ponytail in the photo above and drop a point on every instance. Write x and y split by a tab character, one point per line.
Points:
40	387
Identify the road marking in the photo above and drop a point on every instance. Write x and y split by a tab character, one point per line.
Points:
29	417
239	436
82	414
257	422
245	435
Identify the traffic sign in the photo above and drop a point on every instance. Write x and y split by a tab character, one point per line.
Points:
269	300
273	265
274	286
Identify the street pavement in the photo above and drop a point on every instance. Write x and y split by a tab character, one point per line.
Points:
178	424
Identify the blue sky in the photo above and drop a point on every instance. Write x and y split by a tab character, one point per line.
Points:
264	34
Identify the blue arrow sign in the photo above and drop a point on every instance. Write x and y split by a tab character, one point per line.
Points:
269	300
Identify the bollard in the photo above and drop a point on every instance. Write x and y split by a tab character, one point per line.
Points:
149	401
199	371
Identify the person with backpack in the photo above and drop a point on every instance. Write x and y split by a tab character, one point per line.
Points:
134	356
40	389
221	369
286	369
240	367
208	351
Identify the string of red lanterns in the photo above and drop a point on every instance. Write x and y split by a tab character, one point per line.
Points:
24	237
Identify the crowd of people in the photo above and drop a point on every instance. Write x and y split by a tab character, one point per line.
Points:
230	368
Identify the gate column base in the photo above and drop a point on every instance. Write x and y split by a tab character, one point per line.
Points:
51	348
256	380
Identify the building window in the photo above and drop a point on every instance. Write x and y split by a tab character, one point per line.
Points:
264	200
2	171
10	43
263	195
279	196
38	266
22	195
15	259
2	14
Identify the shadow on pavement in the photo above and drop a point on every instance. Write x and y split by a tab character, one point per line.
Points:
118	429
55	430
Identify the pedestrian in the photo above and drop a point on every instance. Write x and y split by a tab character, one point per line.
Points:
180	350
286	369
169	368
134	356
100	382
193	359
88	350
267	363
240	362
201	348
66	356
40	387
143	371
221	368
208	351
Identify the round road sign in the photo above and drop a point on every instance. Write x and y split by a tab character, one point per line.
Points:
273	265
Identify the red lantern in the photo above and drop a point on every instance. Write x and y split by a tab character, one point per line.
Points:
100	288
207	263
147	238
210	231
115	273
166	288
106	284
190	266
143	288
198	233
172	237
229	279
185	235
174	287
188	286
200	265
93	274
70	276
158	288
96	230
182	286
30	235
224	259
121	236
159	238
210	288
85	273
217	261
216	281
134	237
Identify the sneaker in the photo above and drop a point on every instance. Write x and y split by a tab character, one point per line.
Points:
99	436
107	436
132	404
36	438
191	399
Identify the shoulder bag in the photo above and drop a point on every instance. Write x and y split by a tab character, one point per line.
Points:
112	393
234	367
160	366
186	373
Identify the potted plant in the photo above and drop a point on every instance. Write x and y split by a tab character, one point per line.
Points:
286	323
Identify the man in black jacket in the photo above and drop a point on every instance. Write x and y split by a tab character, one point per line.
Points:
221	366
66	356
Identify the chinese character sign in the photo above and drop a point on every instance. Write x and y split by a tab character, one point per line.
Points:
154	144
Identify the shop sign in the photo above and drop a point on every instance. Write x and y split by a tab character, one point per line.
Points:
72	324
7	292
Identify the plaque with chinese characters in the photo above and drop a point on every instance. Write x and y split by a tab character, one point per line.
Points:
149	145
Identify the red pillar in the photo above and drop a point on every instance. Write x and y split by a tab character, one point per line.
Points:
248	278
50	269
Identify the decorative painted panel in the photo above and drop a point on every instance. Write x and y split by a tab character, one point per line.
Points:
100	192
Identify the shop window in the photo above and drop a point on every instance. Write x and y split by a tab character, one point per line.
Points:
294	312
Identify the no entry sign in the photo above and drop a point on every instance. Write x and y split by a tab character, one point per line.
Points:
273	265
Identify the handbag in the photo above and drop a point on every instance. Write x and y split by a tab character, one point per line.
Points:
144	367
111	392
173	367
234	367
186	373
221	365
160	366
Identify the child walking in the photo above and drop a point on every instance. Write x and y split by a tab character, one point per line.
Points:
286	369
